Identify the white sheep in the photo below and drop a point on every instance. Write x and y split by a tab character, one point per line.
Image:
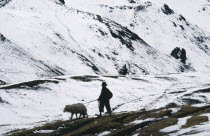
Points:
75	109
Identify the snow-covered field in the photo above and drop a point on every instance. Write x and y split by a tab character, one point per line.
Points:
26	107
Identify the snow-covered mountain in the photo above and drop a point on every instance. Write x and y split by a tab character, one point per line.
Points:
159	25
45	43
197	12
47	38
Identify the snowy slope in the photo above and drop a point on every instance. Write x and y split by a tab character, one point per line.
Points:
43	39
197	12
29	106
54	39
160	30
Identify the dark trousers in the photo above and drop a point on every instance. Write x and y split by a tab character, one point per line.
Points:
106	104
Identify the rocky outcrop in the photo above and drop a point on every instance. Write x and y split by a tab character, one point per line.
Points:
179	54
62	1
166	10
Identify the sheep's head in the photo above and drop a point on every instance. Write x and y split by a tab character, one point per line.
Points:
66	109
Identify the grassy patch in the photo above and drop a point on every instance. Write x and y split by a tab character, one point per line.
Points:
207	90
95	128
176	92
154	128
196	120
49	126
171	105
129	129
111	76
207	110
191	133
168	78
139	79
157	114
191	101
120	124
131	118
29	84
187	110
58	78
86	78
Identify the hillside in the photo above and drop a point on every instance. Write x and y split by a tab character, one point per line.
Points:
34	103
159	25
170	121
49	39
153	54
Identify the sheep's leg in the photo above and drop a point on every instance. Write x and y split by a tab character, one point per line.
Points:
80	115
76	115
72	114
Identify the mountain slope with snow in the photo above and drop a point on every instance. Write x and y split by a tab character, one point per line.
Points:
55	39
198	12
160	26
53	54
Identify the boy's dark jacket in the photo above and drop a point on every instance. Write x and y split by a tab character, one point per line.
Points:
105	95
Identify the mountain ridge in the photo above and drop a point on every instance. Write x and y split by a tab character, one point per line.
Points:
90	41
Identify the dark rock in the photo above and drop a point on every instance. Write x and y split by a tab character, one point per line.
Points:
181	68
99	54
4	3
2	38
182	18
179	54
167	10
1	101
132	25
102	32
183	56
62	1
140	8
89	63
200	39
143	7
132	1
125	36
171	105
124	70
176	53
182	27
115	53
174	24
2	82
